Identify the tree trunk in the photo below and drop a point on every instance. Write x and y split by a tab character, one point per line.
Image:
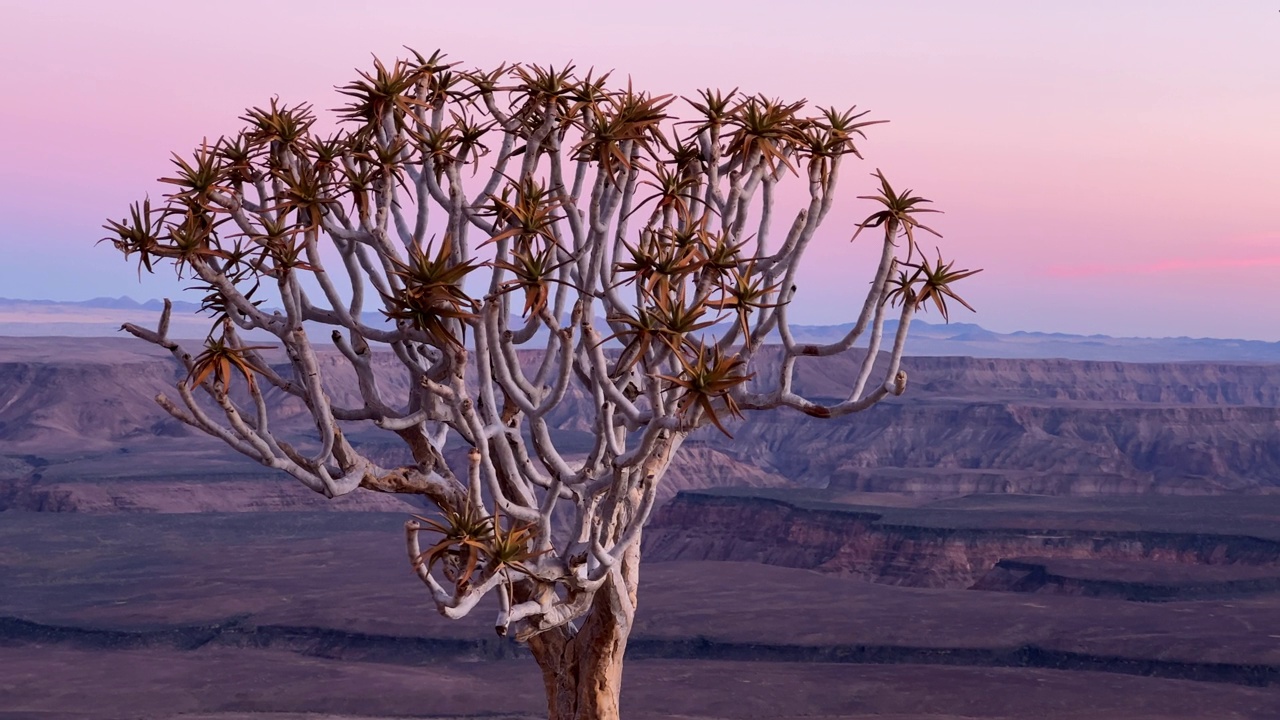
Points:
582	670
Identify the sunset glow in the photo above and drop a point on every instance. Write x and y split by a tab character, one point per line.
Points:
1114	168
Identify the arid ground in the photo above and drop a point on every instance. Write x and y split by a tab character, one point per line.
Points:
249	614
147	573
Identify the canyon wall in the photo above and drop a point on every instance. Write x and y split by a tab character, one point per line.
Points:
965	425
929	549
1058	427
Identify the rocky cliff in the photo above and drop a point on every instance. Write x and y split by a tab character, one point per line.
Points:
958	544
965	425
1059	427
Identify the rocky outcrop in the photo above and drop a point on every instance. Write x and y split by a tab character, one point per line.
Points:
965	447
969	425
965	425
869	545
699	466
83	404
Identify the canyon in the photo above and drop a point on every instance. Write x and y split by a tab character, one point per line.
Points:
1064	538
249	615
1147	549
71	408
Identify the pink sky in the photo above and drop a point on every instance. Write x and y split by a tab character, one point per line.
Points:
1115	167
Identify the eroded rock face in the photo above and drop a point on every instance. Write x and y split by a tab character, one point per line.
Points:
1057	427
868	546
967	447
965	425
44	402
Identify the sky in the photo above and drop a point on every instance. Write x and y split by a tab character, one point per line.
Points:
1113	167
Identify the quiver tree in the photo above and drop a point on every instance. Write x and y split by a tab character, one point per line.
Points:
486	214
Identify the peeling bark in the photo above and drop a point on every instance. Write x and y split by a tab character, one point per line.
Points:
582	670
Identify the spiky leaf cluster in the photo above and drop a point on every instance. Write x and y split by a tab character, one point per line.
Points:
470	541
456	220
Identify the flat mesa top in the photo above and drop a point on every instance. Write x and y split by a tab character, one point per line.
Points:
94	350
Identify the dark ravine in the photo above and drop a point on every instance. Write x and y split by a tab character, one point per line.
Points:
403	650
1032	576
1025	656
240	633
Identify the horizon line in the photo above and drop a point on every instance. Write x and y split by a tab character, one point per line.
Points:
143	303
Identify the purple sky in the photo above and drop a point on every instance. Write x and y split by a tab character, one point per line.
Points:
1114	167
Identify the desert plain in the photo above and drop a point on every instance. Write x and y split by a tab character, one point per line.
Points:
1048	538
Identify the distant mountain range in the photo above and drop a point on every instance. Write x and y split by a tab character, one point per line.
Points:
967	339
101	317
124	302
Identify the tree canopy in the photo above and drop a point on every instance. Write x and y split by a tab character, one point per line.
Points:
524	234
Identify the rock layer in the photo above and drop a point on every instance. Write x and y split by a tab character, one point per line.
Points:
966	425
869	545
